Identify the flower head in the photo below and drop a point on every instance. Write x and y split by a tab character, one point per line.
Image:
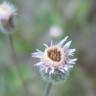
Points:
55	31
56	61
7	12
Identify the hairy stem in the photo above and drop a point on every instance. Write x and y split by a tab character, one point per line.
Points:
48	89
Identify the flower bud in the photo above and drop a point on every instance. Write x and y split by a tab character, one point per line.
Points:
7	14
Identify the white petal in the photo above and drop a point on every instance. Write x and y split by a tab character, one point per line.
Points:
46	69
38	50
70	66
51	42
41	69
38	64
72	61
66	68
45	45
71	52
62	70
62	41
41	53
51	71
67	45
37	54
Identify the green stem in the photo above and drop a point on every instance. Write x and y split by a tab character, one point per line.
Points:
12	49
48	89
15	62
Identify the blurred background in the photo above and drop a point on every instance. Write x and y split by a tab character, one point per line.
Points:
38	22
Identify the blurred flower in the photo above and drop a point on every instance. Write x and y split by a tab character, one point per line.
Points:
7	13
56	61
55	31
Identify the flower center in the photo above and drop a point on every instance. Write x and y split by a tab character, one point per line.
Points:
54	54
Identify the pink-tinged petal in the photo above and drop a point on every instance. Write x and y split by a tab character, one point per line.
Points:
67	45
62	41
